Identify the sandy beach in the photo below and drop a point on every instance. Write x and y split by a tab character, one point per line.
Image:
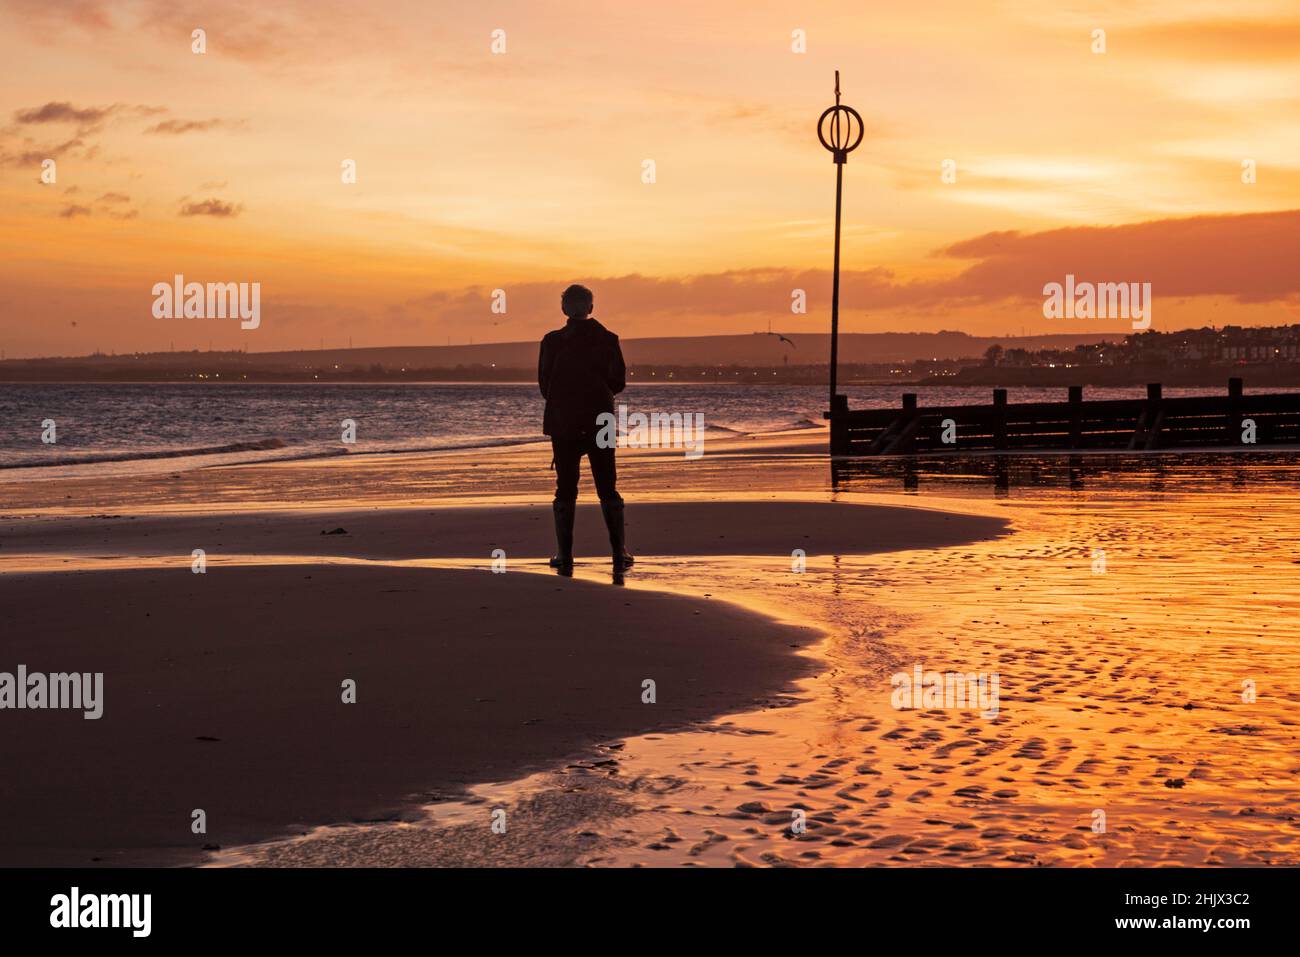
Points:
522	691
223	690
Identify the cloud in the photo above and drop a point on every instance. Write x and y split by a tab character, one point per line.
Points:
63	113
72	211
87	118
1250	258
732	293
177	127
249	30
29	155
210	207
111	205
17	149
88	14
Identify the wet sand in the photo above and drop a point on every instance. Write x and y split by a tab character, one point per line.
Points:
1124	735
766	526
223	691
741	465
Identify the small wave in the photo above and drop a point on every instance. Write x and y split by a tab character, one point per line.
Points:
805	424
467	443
261	445
303	453
452	445
767	428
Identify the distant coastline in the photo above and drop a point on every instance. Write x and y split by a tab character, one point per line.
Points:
799	358
1212	377
1264	356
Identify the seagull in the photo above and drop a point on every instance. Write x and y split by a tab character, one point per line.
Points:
782	338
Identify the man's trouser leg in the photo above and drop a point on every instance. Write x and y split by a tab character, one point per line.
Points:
568	457
604	473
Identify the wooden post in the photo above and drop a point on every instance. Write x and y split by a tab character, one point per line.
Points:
1147	433
1075	438
1235	392
838	415
999	418
908	422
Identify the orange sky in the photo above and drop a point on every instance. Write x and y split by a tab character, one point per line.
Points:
523	170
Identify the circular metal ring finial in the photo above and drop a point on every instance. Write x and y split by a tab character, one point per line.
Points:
841	140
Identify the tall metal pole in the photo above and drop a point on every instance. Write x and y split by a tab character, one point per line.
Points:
839	137
835	285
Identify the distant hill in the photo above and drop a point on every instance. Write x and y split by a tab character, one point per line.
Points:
496	360
755	349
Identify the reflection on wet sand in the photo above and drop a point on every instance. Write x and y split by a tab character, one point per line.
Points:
1200	470
1143	623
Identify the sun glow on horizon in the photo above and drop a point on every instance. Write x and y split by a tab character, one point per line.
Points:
523	170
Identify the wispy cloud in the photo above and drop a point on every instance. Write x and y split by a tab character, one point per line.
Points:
211	207
31	155
116	206
87	118
87	14
63	113
194	126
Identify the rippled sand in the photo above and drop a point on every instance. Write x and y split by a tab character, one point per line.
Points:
1124	736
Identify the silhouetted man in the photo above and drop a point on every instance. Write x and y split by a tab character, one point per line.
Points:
580	370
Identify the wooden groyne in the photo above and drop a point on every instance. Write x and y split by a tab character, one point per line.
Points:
1232	420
